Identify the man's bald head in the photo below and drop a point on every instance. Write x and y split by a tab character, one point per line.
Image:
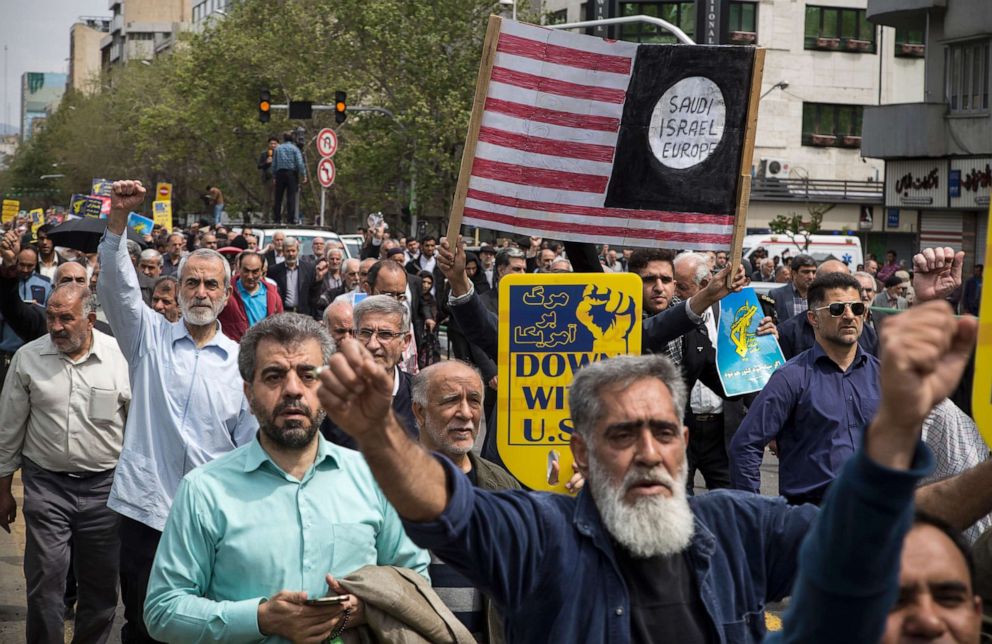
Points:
832	266
71	272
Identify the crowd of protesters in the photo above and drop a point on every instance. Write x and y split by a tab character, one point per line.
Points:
256	444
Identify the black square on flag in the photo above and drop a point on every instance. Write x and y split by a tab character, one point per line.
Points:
682	130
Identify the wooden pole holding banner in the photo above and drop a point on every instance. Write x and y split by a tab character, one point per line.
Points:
474	123
747	154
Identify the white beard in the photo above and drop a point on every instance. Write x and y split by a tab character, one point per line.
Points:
652	525
199	316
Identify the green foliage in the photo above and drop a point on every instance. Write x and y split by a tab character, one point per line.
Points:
191	117
797	228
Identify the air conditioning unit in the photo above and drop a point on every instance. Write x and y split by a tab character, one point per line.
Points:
774	168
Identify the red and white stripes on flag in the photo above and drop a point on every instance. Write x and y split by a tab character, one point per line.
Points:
546	146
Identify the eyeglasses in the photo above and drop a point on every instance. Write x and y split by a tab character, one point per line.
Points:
837	308
381	335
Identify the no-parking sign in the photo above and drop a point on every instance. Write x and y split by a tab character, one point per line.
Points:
325	172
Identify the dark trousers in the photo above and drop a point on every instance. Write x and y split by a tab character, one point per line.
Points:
287	184
137	552
58	507
707	450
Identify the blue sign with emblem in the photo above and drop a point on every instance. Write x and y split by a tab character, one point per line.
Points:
744	360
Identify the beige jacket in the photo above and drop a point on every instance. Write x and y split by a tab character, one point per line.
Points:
401	608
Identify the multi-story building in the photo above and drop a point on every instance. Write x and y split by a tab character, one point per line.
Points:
140	28
938	148
204	10
825	63
40	94
84	52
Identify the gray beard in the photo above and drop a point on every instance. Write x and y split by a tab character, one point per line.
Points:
651	526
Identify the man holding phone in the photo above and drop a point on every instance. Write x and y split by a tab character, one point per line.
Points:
263	530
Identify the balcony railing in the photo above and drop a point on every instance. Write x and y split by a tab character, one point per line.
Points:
816	190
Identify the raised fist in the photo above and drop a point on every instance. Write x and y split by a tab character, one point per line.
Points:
126	196
607	314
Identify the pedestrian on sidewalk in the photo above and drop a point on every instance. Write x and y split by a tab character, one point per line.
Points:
62	416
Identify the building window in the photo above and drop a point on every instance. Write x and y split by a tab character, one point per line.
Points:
966	73
680	14
830	125
837	29
910	43
559	17
141	35
742	23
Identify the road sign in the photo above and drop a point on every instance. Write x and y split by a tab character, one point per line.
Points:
163	191
325	172
327	142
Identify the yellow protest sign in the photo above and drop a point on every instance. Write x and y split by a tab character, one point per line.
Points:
37	221
550	326
981	391
162	213
10	209
163	191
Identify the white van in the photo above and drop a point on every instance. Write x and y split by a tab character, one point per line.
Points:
846	248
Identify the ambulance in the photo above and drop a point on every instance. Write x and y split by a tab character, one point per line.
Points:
846	248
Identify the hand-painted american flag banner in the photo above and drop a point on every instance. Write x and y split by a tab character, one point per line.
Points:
560	124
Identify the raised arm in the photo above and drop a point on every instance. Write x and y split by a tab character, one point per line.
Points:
849	565
118	287
357	394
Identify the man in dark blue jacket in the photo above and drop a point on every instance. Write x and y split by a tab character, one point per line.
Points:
869	571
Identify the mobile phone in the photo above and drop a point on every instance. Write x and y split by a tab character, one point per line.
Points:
326	601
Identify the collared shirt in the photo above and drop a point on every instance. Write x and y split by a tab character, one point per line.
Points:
529	549
256	304
48	270
188	405
957	446
64	416
427	263
816	412
242	529
702	399
292	279
799	303
288	157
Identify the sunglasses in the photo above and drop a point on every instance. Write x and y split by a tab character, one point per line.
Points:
837	308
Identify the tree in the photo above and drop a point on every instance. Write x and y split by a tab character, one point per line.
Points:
190	117
798	229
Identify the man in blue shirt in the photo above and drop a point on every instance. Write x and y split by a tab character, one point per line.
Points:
33	286
294	511
287	169
186	407
818	404
630	558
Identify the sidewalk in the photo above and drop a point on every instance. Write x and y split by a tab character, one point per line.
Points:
13	602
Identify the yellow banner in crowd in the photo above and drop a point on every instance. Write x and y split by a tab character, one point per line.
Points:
981	391
37	221
550	326
10	209
162	213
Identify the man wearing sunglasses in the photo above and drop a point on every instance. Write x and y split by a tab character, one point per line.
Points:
817	405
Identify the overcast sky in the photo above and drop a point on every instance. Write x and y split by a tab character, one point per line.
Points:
36	36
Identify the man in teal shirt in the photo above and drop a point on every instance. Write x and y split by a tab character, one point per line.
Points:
255	532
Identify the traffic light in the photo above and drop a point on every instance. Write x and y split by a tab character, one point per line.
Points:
264	105
340	107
